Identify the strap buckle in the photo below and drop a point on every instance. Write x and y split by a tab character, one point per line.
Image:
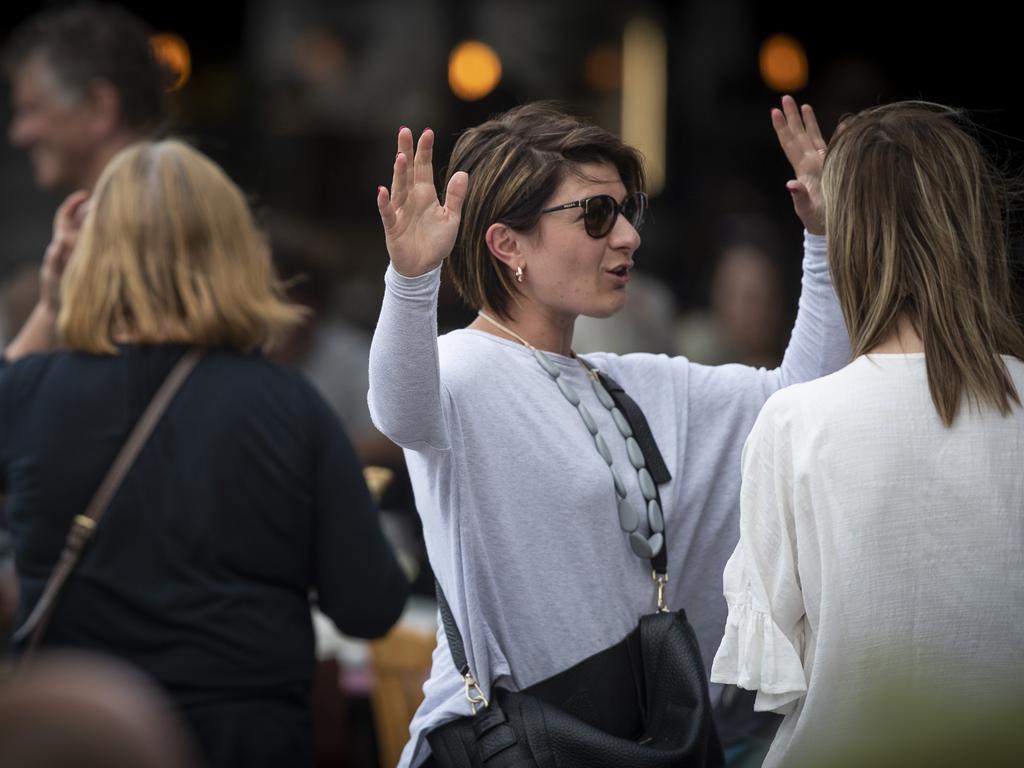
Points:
82	529
660	580
474	695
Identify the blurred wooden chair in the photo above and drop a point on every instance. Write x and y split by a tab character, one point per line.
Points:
401	664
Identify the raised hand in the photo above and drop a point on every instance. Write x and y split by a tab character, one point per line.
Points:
39	332
804	146
419	231
67	224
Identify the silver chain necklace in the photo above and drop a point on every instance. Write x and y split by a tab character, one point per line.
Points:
645	547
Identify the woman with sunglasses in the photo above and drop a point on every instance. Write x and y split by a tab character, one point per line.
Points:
538	526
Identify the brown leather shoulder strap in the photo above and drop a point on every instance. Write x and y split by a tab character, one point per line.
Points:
84	525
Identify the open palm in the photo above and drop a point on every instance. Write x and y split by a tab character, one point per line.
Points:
418	230
801	140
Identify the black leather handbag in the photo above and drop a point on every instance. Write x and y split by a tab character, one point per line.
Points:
642	703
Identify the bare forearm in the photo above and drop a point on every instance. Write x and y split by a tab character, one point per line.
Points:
38	334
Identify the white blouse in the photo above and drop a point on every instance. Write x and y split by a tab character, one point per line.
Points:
876	545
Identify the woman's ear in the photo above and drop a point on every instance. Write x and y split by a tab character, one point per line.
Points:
503	243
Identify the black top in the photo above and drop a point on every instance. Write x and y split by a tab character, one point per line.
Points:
246	496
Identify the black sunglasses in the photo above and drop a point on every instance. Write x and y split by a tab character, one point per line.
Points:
601	211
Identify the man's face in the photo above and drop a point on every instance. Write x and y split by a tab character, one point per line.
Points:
53	124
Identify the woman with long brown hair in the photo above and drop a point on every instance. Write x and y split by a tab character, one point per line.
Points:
882	523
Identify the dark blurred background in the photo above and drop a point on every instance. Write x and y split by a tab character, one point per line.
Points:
300	100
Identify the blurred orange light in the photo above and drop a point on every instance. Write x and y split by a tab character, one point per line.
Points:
172	51
474	70
783	63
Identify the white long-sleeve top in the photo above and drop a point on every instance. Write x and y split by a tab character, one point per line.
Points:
877	548
519	512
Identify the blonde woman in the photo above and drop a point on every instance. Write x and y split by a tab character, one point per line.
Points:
247	494
882	526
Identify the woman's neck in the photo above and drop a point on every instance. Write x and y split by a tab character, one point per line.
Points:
540	329
902	340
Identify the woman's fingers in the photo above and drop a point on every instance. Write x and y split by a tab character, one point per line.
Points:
387	211
799	135
411	169
67	212
423	165
779	122
67	221
792	111
76	204
811	124
405	142
798	123
781	128
787	140
72	201
456	193
400	174
66	226
80	212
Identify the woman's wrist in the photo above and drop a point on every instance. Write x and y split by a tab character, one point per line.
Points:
47	309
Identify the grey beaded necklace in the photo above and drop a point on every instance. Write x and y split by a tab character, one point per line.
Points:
645	547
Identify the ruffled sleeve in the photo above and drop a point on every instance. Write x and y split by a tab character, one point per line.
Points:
757	655
764	639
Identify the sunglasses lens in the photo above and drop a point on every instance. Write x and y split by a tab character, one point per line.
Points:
634	208
600	215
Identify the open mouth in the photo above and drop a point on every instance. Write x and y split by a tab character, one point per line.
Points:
620	271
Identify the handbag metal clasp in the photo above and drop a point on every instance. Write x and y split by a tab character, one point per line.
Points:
474	695
660	580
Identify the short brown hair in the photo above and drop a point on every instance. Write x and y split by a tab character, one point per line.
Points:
169	252
515	162
916	218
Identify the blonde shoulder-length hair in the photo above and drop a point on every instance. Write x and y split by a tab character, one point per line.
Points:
916	217
169	253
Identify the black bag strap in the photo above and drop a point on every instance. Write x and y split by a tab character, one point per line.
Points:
638	423
655	465
84	525
451	631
